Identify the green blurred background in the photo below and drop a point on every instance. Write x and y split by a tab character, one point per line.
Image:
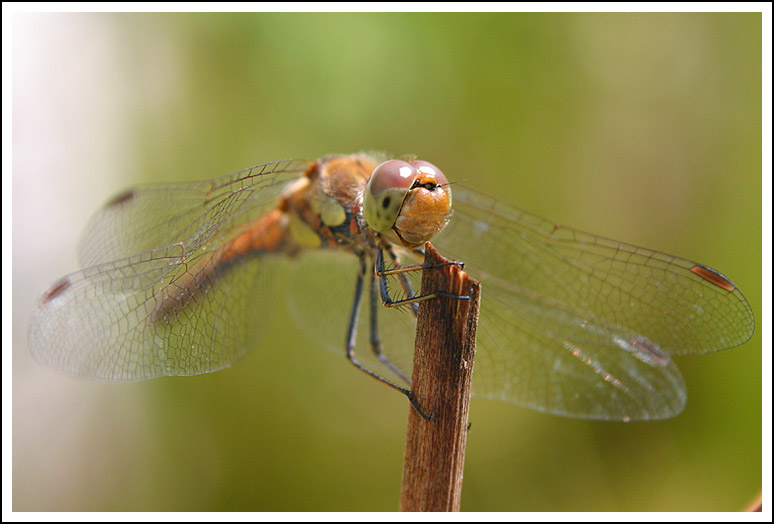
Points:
640	127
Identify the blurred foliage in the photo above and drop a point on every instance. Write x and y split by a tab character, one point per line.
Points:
642	127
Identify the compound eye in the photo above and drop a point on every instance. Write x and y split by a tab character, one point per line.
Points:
392	174
386	190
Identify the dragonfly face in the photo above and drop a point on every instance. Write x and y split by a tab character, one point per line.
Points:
410	201
570	323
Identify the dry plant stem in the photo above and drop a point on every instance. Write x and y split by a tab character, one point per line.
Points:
443	365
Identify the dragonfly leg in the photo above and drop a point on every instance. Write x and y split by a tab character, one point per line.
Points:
408	290
383	273
376	343
352	337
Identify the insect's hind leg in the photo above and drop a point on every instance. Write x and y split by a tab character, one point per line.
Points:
376	344
352	338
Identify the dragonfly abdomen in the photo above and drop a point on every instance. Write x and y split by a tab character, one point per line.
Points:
267	234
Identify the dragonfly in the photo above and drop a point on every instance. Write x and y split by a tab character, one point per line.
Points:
185	278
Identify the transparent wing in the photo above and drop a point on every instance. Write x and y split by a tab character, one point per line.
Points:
580	325
103	324
104	321
156	215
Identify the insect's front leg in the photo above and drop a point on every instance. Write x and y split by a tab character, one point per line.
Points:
401	271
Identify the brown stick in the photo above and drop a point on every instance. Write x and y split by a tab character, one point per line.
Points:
443	365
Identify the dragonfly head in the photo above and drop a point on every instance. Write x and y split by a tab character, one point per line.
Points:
411	199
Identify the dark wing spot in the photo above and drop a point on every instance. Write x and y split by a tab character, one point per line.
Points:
649	352
56	290
121	198
712	276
